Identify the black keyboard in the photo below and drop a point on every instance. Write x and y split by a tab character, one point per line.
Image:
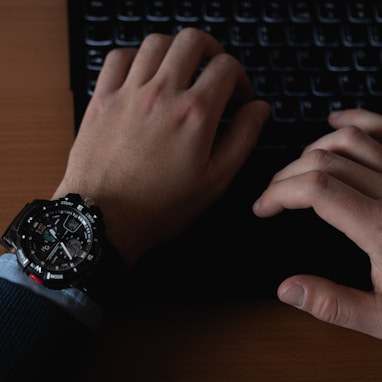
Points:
305	57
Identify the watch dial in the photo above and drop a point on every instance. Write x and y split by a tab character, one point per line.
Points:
58	240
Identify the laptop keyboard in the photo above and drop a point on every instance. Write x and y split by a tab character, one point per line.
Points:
305	57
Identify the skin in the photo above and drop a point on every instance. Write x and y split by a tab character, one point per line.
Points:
340	177
145	150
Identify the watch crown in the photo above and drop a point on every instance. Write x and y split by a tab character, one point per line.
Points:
88	202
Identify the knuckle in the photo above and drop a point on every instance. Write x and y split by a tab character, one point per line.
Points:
319	158
193	106
332	311
229	62
350	136
190	33
150	97
317	181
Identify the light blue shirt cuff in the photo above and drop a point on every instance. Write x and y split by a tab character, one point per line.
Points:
73	300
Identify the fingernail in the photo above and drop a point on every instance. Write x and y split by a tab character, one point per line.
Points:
294	295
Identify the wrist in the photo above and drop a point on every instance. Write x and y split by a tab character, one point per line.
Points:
120	228
61	244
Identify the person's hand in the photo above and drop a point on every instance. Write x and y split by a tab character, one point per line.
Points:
145	150
340	177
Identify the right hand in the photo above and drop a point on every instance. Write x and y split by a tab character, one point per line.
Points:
340	177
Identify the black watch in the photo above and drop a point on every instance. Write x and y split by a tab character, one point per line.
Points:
61	244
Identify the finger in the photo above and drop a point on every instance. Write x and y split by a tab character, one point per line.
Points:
345	208
367	181
333	303
353	143
149	58
366	120
115	70
238	141
311	189
223	78
224	73
188	50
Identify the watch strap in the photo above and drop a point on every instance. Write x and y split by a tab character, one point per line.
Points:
107	281
9	238
106	285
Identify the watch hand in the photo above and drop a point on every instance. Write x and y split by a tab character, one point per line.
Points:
52	252
53	233
66	250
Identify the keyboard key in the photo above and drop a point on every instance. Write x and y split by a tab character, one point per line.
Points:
327	35
299	35
282	59
244	34
325	84
159	10
130	10
246	11
130	34
368	59
340	59
187	10
360	11
163	27
315	109
218	30
354	35
353	84
378	10
99	34
271	34
95	58
375	35
342	103
267	84
255	58
286	110
302	11
311	59
330	11
374	81
275	11
216	10
92	76
296	85
98	10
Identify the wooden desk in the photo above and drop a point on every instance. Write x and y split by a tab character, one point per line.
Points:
248	341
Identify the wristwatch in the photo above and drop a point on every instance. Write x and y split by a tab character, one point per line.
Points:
61	244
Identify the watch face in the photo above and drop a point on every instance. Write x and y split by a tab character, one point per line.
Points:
60	243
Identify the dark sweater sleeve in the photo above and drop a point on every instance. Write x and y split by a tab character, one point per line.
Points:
38	339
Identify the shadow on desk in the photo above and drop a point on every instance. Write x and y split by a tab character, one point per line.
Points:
261	340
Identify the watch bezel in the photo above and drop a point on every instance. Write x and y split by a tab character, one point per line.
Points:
72	277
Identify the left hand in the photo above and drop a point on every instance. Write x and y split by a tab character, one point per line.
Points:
340	177
146	150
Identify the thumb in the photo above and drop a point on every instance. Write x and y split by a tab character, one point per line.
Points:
333	303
